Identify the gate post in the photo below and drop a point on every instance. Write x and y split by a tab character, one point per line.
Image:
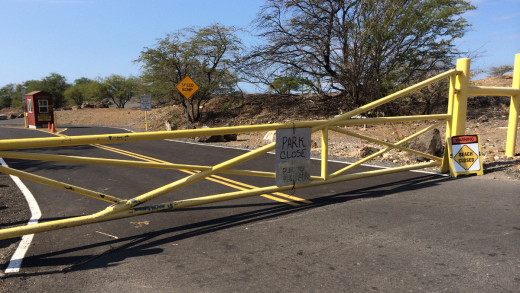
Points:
514	108
324	153
460	98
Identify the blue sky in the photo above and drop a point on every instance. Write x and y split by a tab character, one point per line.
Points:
96	38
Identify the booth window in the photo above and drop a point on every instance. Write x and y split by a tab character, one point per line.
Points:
29	105
44	106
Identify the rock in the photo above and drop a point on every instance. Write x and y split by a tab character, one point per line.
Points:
213	138
367	151
270	136
3	117
482	119
101	105
230	137
430	143
169	126
85	105
66	108
20	115
11	116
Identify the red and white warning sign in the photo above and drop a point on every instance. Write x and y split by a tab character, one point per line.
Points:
465	155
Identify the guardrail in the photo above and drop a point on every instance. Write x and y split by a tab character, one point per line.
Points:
120	208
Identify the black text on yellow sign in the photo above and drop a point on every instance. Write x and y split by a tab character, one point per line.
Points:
187	87
464	152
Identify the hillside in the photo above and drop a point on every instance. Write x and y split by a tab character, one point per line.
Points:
487	116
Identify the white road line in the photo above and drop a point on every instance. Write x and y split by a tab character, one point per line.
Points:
16	260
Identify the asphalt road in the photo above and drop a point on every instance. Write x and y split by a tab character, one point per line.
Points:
395	233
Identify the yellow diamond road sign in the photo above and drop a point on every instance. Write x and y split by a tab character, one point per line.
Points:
187	87
466	157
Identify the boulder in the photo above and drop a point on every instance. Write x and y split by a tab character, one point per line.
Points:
231	137
430	143
85	105
367	151
213	138
482	119
101	105
270	136
169	126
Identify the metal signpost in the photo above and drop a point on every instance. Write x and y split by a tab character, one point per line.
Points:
24	107
146	105
187	87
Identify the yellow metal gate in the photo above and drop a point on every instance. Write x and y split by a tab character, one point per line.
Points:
455	120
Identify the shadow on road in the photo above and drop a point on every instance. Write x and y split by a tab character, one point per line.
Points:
149	243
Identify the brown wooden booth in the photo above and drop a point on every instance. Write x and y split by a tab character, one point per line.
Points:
39	109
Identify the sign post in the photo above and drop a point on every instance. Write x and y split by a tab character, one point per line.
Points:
146	105
293	156
24	107
464	153
187	87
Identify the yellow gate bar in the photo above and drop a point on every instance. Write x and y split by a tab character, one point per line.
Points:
59	185
386	99
492	91
366	159
127	163
112	214
514	111
192	178
388	144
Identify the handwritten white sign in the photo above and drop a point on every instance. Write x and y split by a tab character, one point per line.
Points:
293	156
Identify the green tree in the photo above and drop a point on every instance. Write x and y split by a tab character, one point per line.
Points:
500	70
75	94
55	84
286	84
207	55
119	89
7	94
364	49
82	80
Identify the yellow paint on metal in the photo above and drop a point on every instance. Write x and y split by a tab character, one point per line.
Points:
214	178
451	98
112	212
370	157
63	140
388	144
324	153
455	117
59	185
492	91
460	100
514	111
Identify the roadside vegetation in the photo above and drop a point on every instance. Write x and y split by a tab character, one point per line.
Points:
351	52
